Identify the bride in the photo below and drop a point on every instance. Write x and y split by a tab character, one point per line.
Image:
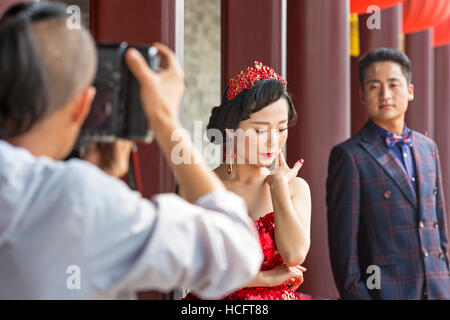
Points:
254	117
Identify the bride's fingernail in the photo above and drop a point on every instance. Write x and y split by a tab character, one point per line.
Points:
301	161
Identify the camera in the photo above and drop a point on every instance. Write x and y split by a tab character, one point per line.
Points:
116	111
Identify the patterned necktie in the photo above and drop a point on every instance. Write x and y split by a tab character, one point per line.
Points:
392	140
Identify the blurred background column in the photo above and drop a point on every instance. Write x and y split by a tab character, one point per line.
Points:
442	103
318	75
388	35
251	31
427	25
420	115
5	4
419	16
155	20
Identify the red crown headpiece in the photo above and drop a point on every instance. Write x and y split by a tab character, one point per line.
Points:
245	80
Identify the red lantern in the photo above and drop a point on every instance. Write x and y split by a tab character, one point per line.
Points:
419	15
360	6
442	33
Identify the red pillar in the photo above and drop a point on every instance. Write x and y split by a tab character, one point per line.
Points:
318	75
251	30
442	116
387	36
140	22
6	4
420	114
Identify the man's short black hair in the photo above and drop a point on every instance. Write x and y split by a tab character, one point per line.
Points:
385	54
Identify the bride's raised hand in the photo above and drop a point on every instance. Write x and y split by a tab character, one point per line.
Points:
282	171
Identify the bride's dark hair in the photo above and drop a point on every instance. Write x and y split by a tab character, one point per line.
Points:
231	112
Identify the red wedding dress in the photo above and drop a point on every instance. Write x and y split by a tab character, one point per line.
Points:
265	226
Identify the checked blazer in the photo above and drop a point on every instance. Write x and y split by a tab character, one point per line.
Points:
376	218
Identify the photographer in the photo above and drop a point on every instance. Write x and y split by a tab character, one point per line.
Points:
70	231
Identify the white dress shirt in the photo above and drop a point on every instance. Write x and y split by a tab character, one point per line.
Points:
70	231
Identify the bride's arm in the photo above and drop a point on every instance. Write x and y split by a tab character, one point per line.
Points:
291	201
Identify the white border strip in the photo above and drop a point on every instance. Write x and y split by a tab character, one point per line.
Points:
283	38
179	30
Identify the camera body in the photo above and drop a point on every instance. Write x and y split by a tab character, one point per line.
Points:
116	111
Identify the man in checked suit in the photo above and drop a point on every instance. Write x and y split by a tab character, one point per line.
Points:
386	215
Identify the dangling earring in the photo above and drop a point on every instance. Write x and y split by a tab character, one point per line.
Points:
230	155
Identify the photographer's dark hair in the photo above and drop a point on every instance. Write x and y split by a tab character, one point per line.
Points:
40	64
231	112
23	97
384	54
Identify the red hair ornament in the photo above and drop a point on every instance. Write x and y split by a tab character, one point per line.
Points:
246	80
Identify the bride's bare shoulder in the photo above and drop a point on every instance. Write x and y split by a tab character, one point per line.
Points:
299	186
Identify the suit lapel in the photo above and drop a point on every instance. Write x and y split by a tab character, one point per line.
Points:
419	167
372	143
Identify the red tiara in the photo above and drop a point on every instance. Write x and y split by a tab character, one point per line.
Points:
245	80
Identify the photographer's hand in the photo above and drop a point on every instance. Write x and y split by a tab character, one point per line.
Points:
161	92
161	95
113	158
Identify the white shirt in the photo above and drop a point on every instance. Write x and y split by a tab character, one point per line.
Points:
69	231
